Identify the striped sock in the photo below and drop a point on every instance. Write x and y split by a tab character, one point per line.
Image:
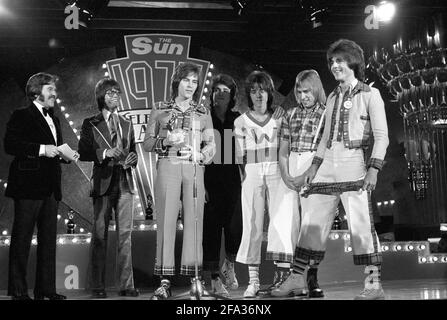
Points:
253	273
299	265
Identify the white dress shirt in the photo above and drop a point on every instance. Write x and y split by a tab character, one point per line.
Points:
50	123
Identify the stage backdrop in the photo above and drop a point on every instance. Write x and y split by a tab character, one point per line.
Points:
145	78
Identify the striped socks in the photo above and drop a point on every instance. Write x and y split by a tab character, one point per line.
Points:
253	273
299	266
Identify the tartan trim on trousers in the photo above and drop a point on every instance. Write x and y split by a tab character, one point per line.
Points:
211	266
164	271
189	270
368	259
332	188
308	254
278	256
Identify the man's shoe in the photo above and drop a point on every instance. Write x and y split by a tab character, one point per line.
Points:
293	286
252	290
50	296
21	297
229	275
218	288
279	277
164	291
371	294
99	294
129	293
312	284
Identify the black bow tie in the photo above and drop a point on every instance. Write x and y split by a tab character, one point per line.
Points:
47	111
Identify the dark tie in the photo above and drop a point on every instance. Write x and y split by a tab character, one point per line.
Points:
114	131
45	111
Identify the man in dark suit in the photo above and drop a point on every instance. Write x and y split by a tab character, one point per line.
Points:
108	140
32	136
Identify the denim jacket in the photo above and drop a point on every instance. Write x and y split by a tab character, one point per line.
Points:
359	121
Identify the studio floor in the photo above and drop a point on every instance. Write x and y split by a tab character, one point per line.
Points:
424	289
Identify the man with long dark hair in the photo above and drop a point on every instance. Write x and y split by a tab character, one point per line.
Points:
339	171
223	190
181	133
257	145
108	140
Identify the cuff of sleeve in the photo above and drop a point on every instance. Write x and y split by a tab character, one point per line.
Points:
159	146
317	161
104	154
376	163
41	150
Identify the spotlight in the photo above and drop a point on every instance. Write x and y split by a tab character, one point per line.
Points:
314	12
385	11
239	6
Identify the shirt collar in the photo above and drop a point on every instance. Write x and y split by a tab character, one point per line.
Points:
39	106
315	106
352	85
106	113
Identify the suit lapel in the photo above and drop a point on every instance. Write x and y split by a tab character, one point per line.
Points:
40	121
125	127
100	126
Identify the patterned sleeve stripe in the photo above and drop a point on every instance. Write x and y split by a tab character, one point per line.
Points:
376	163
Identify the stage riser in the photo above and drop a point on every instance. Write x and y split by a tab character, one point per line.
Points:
337	266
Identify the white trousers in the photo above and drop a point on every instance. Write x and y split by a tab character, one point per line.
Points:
340	165
260	184
285	217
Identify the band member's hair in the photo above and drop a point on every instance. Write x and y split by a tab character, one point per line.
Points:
310	79
182	71
100	90
265	82
230	83
36	82
351	52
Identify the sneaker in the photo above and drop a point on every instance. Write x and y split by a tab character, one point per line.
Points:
252	289
229	275
163	292
294	285
278	279
371	294
218	288
312	284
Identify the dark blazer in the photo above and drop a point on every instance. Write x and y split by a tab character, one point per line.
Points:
95	138
31	176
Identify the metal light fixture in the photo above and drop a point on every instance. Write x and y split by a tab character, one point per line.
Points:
314	12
